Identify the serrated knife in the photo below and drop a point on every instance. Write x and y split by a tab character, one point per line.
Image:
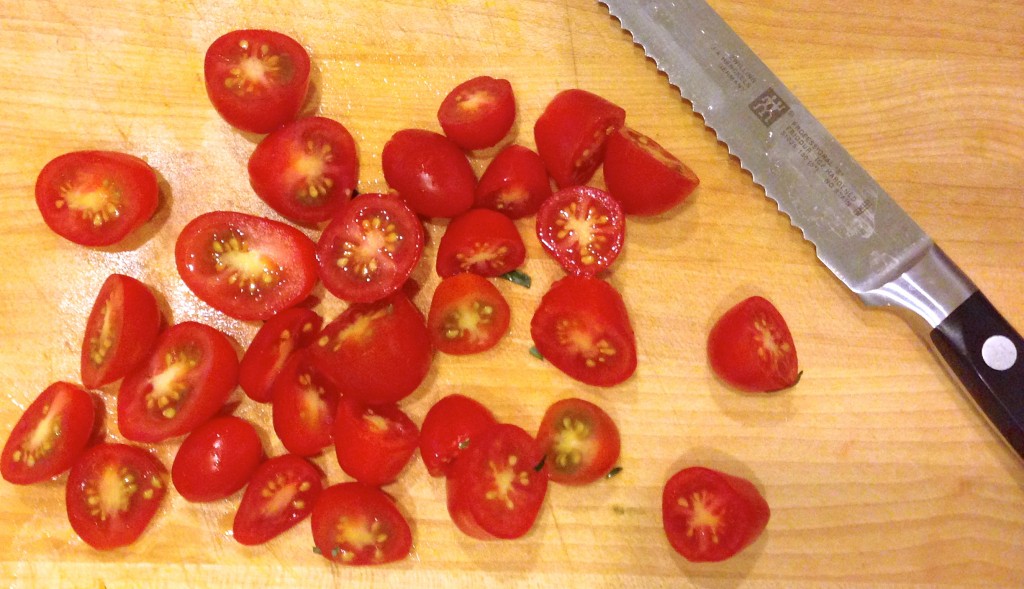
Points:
859	231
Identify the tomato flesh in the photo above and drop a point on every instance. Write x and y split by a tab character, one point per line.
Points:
357	524
571	133
430	173
373	443
280	494
449	428
481	241
643	175
582	228
282	335
581	441
515	183
120	332
216	460
305	403
478	113
751	348
467	315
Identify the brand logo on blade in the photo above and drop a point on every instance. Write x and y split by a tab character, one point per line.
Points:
769	107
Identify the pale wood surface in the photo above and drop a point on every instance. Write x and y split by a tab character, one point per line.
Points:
878	470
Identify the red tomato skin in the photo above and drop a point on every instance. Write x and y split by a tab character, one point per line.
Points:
467	315
581	441
256	108
593	207
737	353
570	134
358	504
481	241
305	403
449	428
149	479
216	460
373	443
26	460
478	113
643	175
306	169
203	389
429	172
515	183
735	499
281	336
280	494
289	262
131	310
132	182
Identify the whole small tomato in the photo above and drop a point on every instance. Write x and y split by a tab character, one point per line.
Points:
750	347
430	172
217	459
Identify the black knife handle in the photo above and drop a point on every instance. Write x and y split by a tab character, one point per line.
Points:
987	354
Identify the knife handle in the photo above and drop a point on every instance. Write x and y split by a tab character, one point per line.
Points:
987	354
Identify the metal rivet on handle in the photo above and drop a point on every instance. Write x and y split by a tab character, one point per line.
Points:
999	352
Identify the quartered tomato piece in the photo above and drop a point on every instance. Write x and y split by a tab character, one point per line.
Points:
283	334
467	315
497	486
643	175
515	183
245	266
750	347
373	443
710	516
217	459
583	228
571	132
96	198
256	79
481	241
120	332
450	427
370	248
305	170
356	524
52	432
429	172
582	327
478	113
112	493
305	403
281	494
186	380
581	441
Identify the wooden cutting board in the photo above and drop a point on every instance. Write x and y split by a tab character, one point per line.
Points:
877	468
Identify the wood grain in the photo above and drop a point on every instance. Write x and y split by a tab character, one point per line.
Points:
878	469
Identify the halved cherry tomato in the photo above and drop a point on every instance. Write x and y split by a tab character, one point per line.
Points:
429	172
245	266
120	332
280	494
497	486
643	175
373	443
306	169
481	241
450	427
515	183
376	352
478	113
52	432
186	380
305	403
217	459
256	79
582	327
283	334
709	515
583	228
112	493
750	347
96	198
370	248
581	441
467	315
356	524
571	132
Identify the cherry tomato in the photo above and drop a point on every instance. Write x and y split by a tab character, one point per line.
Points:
450	427
709	515
217	459
515	183
467	315
643	175
256	79
582	327
120	332
750	347
283	334
245	266
430	172
305	403
356	524
373	443
280	494
478	113
186	380
376	352
497	486
112	493
306	169
581	441
583	228
481	241
96	198
52	432
571	132
370	248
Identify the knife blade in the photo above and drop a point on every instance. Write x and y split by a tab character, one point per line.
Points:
859	232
